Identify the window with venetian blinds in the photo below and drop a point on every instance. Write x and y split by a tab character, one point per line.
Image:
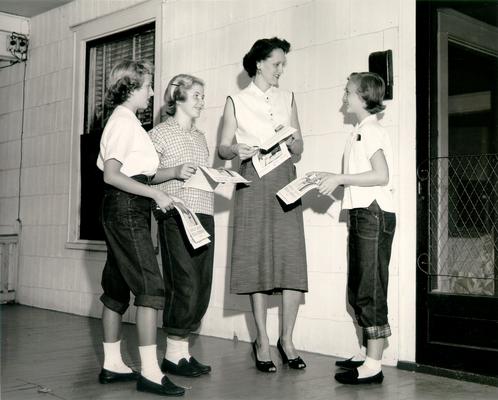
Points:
101	55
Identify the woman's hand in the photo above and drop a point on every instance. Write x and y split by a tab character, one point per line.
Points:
244	151
185	171
327	181
163	201
294	144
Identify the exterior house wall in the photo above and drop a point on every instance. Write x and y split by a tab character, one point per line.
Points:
330	39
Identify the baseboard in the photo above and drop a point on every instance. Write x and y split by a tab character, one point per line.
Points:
448	373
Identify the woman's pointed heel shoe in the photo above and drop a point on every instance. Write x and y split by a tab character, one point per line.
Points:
263	366
295	363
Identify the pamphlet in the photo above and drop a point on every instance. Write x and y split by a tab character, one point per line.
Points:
207	179
265	162
282	132
196	233
297	188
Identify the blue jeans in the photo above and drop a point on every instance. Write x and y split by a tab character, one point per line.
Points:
371	232
187	273
131	261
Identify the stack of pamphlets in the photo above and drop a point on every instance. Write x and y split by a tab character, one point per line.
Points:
273	151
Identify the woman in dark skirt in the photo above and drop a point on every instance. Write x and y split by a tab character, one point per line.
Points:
268	253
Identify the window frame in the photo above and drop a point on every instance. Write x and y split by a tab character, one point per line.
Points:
122	20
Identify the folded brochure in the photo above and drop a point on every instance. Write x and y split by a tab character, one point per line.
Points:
282	132
207	179
196	233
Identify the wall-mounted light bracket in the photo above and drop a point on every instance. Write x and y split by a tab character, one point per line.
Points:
17	45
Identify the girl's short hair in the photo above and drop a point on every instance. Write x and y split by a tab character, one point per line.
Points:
371	88
177	91
261	50
125	77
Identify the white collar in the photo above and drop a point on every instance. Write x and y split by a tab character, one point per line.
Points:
123	109
370	118
254	88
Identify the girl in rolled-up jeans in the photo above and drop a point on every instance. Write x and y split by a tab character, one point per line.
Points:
187	272
129	162
367	176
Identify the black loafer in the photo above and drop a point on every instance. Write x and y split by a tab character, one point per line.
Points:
349	363
351	378
166	388
205	369
183	368
107	376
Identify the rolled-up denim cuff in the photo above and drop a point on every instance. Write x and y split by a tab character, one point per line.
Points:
180	332
144	300
377	332
114	305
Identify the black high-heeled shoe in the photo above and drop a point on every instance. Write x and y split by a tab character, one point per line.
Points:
295	363
263	366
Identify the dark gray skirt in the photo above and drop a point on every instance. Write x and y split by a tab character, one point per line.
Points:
268	250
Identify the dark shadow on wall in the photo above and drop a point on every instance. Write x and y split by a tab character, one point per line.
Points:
243	79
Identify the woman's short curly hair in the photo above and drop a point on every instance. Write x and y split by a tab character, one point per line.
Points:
371	88
261	50
125	77
177	91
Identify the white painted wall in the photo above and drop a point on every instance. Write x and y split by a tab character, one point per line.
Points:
9	125
330	39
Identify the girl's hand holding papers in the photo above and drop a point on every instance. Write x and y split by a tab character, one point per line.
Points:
164	201
327	181
185	171
169	202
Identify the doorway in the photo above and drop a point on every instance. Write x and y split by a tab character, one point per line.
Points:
457	232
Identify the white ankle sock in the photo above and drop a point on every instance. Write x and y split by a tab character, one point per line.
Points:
112	358
150	367
176	350
369	368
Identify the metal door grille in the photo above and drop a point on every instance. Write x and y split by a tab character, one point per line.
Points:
463	224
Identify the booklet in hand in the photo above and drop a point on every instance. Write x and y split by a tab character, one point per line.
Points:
297	189
266	162
207	179
196	233
282	132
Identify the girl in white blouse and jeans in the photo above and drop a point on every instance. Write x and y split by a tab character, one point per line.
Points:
129	162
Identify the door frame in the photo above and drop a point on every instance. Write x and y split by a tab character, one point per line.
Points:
435	26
